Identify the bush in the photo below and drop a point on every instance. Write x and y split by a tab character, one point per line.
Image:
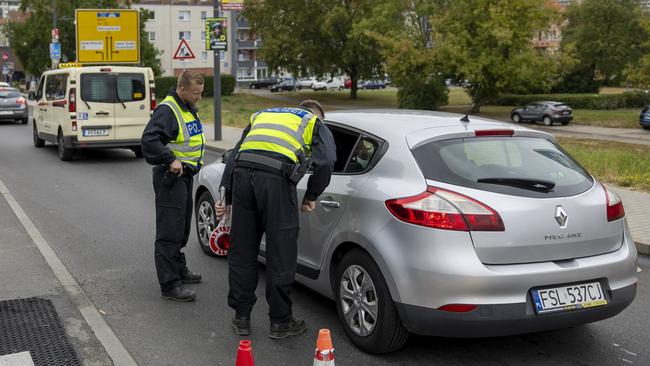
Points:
423	95
580	80
581	101
164	83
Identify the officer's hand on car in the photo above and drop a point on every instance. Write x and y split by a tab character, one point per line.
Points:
308	206
176	167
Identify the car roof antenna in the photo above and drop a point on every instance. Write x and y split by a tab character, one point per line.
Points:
465	119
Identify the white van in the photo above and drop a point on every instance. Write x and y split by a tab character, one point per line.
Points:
93	107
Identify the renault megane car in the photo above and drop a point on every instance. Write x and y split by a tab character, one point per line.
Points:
437	227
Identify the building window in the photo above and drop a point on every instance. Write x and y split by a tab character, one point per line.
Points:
185	34
204	14
152	36
152	15
184	15
203	36
204	55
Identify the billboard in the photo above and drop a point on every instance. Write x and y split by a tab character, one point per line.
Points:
108	36
232	4
216	34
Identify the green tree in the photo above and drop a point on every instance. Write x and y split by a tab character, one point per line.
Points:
316	37
30	39
607	36
638	73
488	42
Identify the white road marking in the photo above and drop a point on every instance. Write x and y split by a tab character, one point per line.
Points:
627	361
638	269
628	352
113	346
616	344
17	359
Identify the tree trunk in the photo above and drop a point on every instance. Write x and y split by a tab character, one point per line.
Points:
353	80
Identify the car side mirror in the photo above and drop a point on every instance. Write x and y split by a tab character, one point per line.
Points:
31	95
226	155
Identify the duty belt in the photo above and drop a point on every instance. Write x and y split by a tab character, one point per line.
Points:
264	161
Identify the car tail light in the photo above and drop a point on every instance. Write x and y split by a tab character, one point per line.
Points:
72	106
152	102
21	100
494	132
615	208
458	308
447	210
105	69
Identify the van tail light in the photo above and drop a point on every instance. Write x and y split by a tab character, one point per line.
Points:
72	105
615	208
21	100
152	93
458	308
442	209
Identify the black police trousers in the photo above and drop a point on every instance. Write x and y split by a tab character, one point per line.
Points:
262	202
173	222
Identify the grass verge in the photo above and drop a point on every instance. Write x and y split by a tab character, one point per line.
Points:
624	165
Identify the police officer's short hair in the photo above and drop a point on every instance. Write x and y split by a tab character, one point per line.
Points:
312	105
187	77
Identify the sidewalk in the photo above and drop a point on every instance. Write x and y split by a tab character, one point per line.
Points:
637	204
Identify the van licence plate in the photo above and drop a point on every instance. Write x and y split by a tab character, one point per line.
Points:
95	132
578	296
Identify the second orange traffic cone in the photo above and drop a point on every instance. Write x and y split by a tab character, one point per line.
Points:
245	354
324	351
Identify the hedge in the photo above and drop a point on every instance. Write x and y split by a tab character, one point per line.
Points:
581	101
164	83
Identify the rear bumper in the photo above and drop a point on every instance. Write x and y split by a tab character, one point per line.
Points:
507	319
561	118
17	114
73	142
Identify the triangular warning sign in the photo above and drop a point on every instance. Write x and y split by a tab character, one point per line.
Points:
183	51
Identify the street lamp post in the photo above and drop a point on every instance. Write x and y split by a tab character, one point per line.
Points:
217	84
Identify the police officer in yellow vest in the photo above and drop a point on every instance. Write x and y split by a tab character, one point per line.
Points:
260	179
173	142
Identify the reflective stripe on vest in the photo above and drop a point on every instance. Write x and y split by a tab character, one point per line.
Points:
188	146
280	130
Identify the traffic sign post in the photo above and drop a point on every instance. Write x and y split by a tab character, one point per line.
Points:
108	36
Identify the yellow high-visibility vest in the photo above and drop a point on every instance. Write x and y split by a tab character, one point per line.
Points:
281	130
188	146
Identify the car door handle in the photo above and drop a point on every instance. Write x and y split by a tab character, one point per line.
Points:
101	113
332	204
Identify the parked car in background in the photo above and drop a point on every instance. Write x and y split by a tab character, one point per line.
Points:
449	229
4	84
644	117
347	84
13	106
335	83
305	82
373	84
546	112
263	83
286	85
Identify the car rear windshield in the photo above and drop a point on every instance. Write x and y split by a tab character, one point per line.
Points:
9	94
501	164
112	88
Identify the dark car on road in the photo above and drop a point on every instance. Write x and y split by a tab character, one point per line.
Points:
263	83
546	112
286	85
644	117
13	106
373	84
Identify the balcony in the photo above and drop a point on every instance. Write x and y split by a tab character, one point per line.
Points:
246	64
246	45
261	64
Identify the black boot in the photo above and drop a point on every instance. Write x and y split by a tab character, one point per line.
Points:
292	327
191	277
242	325
178	293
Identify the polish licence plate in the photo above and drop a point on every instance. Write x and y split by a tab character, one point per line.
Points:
95	132
578	296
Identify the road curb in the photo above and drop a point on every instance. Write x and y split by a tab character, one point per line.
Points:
642	248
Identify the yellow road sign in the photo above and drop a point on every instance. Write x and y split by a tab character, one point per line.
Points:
108	36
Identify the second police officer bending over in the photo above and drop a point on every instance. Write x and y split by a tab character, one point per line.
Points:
260	177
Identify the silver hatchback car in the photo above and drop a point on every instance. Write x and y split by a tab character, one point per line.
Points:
437	227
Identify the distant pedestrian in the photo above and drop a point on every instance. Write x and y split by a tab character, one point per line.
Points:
173	142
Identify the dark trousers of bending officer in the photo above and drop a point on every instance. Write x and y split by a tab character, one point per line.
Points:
173	142
260	180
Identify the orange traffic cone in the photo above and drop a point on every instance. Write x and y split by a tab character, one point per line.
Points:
324	351
245	354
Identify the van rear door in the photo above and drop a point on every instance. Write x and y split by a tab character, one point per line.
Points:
132	106
96	107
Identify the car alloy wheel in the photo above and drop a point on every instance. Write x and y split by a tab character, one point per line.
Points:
547	121
516	118
206	221
358	298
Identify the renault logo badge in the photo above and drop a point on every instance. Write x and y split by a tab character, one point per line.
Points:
561	216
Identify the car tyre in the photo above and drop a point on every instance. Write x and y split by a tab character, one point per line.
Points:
646	127
24	121
564	123
38	142
206	221
252	86
359	278
138	151
547	121
516	118
65	153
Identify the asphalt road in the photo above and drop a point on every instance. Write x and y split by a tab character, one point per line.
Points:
97	213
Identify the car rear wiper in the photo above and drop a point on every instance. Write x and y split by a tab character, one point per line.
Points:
117	95
531	184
